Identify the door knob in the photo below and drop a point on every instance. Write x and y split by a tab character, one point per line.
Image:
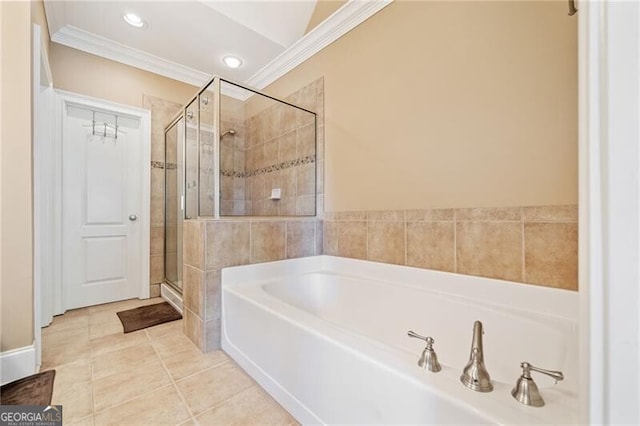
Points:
133	217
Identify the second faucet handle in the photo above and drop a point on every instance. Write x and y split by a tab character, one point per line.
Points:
428	360
526	391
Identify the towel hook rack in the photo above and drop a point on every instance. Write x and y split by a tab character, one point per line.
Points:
572	7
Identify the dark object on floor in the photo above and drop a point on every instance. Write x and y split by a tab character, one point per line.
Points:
36	389
147	316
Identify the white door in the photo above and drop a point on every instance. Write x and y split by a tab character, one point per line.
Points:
102	200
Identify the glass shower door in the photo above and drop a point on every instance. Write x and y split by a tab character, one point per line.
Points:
174	203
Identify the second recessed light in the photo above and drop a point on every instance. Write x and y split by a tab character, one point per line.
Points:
133	20
232	61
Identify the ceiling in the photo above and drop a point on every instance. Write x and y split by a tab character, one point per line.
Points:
185	40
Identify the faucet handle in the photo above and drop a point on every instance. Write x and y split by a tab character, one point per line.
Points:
528	368
417	336
526	391
428	359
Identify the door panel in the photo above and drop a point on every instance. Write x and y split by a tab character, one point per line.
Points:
105	182
105	259
102	192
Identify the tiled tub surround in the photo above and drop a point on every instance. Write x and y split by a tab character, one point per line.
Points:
535	245
210	245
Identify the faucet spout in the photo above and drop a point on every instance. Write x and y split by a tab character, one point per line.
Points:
475	375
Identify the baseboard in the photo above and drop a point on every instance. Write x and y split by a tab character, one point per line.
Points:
171	296
17	363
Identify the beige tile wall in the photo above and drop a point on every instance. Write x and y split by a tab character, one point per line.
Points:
280	134
536	245
162	111
210	245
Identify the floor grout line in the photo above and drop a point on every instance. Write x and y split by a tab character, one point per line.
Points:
173	382
141	394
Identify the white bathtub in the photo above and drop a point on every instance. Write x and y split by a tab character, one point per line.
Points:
327	338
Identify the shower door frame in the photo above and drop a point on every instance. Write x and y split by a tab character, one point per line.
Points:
181	157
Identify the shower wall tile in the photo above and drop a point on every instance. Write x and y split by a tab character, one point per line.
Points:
212	296
212	337
193	328
156	266
287	206
490	249
300	239
267	241
157	211
192	290
171	233
305	142
156	244
270	239
318	237
154	290
287	147
551	254
171	262
270	208
306	184
320	179
330	237
193	243
281	148
305	205
157	181
536	245
227	243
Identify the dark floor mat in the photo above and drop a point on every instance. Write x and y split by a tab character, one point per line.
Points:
36	389
148	316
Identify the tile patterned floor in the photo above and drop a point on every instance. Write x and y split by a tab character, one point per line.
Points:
154	376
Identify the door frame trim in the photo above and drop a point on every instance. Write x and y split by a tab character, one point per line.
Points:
61	100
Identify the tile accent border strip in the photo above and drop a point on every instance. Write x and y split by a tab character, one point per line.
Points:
307	159
161	165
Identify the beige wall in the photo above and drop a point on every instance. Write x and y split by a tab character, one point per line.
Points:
449	104
323	9
80	72
15	176
39	17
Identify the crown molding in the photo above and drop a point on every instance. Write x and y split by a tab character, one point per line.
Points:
343	20
100	46
349	16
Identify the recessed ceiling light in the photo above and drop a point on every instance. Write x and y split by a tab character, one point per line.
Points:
232	61
133	20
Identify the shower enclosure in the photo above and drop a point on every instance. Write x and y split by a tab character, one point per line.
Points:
174	193
233	151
